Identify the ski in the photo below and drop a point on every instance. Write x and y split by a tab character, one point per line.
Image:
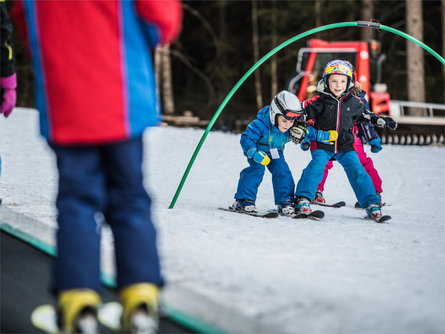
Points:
315	215
335	205
382	219
109	315
270	214
44	318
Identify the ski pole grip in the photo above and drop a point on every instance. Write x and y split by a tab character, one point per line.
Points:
368	24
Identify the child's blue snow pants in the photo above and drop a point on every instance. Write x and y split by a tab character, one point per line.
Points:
103	179
359	179
282	180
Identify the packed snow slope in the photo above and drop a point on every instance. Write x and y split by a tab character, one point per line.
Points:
344	274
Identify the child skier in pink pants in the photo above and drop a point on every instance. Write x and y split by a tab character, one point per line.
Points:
366	162
363	133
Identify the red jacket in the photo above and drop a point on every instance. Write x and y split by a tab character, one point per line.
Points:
93	68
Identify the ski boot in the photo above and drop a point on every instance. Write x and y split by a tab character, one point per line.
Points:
77	311
303	205
319	197
357	205
244	205
286	209
140	303
374	211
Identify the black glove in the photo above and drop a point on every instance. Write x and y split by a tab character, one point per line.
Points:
387	122
298	133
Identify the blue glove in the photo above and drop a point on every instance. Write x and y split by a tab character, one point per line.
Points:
306	144
258	156
327	137
376	145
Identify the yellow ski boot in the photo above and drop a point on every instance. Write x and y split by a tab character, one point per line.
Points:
76	311
140	303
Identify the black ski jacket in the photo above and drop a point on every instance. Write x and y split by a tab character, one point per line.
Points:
330	113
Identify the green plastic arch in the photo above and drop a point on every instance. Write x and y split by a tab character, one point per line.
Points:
362	24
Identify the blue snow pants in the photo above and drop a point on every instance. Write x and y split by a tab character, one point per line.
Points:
103	180
359	179
252	176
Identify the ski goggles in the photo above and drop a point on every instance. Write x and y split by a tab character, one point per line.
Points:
291	115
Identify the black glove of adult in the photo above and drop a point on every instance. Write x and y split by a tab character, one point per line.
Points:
298	133
387	122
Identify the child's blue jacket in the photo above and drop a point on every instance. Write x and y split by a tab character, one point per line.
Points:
263	135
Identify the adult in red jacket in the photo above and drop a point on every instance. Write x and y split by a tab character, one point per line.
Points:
96	93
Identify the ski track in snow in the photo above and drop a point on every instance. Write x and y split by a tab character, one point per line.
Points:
344	274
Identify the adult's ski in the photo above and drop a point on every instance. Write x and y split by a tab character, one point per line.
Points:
270	214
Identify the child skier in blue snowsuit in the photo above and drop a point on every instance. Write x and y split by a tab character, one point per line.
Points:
335	111
263	143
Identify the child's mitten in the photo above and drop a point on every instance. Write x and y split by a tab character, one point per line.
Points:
298	133
387	122
258	156
376	145
327	137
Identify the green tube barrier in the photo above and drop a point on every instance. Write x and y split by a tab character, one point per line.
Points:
362	24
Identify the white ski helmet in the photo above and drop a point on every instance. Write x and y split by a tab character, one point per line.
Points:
286	104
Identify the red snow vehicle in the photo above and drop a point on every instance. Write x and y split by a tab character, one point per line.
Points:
367	59
363	55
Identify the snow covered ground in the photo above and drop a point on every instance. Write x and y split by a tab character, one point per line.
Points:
344	274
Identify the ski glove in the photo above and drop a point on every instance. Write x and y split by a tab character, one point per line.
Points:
9	97
386	122
376	145
298	133
327	137
258	156
306	144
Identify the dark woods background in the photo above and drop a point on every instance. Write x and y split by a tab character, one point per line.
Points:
215	50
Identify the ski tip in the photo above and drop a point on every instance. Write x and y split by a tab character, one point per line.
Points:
315	215
383	219
43	317
271	214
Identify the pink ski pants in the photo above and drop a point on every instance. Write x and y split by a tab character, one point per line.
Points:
366	163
